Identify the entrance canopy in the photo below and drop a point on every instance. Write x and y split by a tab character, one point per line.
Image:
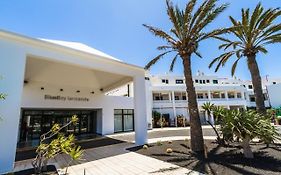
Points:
68	75
35	70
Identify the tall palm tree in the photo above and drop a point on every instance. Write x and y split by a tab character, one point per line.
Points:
250	36
183	40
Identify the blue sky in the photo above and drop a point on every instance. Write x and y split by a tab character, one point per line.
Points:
115	27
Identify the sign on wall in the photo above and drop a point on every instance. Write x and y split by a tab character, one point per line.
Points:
65	98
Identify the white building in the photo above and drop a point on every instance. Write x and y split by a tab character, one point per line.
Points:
49	81
170	98
167	94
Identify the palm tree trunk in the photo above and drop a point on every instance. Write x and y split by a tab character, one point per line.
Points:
196	142
246	148
257	84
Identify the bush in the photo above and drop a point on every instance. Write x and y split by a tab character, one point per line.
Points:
180	121
247	125
157	122
54	143
159	143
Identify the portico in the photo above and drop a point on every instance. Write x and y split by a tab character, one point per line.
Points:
46	75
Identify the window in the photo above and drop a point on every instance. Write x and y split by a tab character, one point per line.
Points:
252	98
204	82
179	81
239	95
274	82
200	81
123	120
215	95
160	96
223	95
208	81
250	86
33	123
180	96
196	81
200	95
231	95
166	81
215	81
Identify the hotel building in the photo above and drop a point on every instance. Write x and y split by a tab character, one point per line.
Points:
167	95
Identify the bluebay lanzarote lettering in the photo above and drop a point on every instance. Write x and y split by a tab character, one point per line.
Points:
64	98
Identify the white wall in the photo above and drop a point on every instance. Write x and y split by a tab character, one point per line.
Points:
274	92
12	71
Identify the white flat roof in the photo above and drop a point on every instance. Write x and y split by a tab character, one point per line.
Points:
80	47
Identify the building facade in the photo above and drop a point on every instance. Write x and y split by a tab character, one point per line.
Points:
170	99
48	81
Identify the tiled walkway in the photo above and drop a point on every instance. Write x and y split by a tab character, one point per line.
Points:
113	160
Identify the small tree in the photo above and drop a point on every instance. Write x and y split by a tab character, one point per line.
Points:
50	146
209	108
247	125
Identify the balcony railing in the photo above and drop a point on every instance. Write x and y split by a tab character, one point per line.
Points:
200	99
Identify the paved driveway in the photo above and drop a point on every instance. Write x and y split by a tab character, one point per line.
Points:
163	133
113	160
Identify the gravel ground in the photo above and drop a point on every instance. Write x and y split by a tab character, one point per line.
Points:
221	160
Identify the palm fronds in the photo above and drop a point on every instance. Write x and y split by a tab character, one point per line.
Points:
186	31
251	35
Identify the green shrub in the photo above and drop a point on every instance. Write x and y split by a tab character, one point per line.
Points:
54	143
247	125
159	143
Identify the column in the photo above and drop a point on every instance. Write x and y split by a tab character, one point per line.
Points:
226	95
242	95
149	103
174	108
170	97
12	69
140	119
209	95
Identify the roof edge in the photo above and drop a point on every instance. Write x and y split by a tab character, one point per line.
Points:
18	36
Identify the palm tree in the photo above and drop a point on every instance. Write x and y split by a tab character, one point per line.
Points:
183	40
250	36
209	108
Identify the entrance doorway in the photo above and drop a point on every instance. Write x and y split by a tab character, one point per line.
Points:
36	122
